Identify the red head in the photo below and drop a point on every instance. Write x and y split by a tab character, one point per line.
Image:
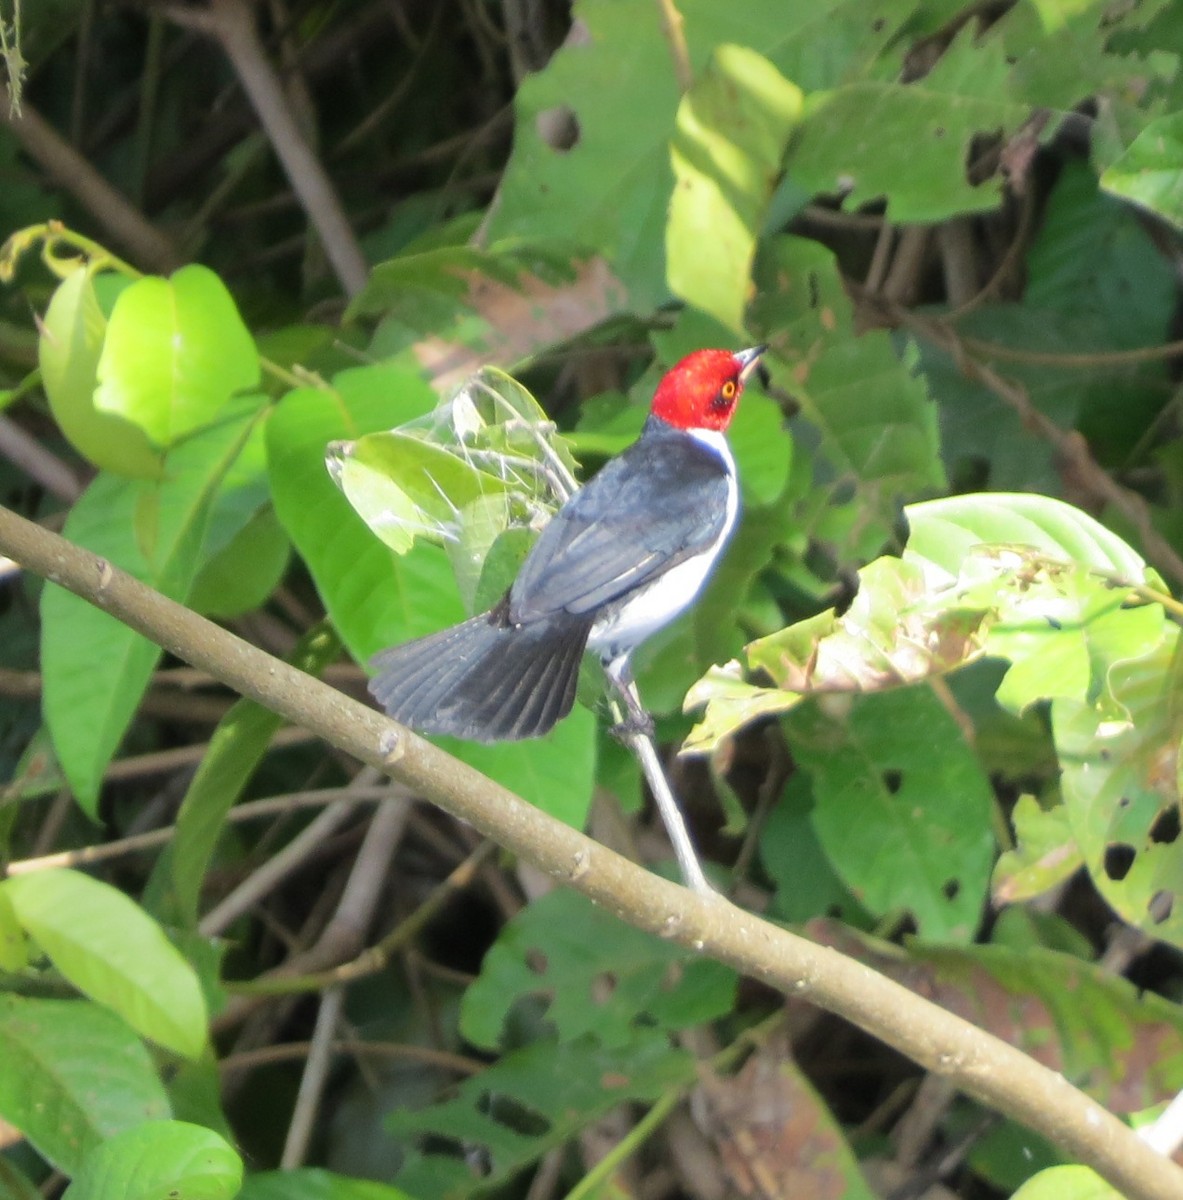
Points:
701	392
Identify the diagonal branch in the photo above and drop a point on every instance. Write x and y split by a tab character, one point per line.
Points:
233	24
978	1063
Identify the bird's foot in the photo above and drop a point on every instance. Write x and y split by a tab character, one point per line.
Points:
634	725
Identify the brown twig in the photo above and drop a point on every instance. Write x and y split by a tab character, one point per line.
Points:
124	223
232	23
980	1064
1069	444
672	26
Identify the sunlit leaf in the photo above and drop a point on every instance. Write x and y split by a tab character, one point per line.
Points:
1148	174
159	1158
174	354
732	127
109	948
69	350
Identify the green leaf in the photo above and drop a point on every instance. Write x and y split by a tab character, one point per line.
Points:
1070	1182
529	1102
878	428
235	751
69	349
14	954
732	127
373	597
110	949
459	308
910	142
96	668
245	571
310	1183
73	1075
1148	174
901	806
556	773
175	352
1118	777
561	947
156	1159
1045	854
942	533
589	155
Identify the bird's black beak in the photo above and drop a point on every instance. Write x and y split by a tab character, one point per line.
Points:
748	360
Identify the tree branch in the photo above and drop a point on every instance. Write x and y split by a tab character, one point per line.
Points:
232	22
980	1064
118	216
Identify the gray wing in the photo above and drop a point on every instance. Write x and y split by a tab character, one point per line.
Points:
661	501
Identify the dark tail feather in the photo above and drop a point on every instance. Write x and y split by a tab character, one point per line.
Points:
484	681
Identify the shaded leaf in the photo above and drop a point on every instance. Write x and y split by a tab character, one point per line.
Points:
527	1103
901	806
159	1158
597	975
1124	1048
310	1183
911	142
877	426
73	1075
460	308
769	1124
95	667
235	751
109	948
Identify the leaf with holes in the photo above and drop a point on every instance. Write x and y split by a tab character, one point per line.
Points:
597	975
1119	757
1045	853
901	806
528	1103
910	143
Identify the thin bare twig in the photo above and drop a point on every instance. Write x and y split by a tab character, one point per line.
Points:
124	223
981	1065
672	26
312	1082
232	23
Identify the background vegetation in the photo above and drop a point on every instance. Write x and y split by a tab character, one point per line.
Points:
934	692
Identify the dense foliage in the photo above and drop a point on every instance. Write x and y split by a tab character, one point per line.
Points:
929	708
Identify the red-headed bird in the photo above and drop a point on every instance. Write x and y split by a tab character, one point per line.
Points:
622	558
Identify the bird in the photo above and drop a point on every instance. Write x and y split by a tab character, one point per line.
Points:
621	558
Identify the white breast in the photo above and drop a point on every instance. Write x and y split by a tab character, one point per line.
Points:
624	627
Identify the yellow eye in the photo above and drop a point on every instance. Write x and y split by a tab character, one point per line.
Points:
727	391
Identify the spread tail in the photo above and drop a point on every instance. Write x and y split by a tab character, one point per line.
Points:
483	680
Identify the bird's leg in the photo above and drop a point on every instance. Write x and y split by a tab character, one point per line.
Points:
636	732
637	720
